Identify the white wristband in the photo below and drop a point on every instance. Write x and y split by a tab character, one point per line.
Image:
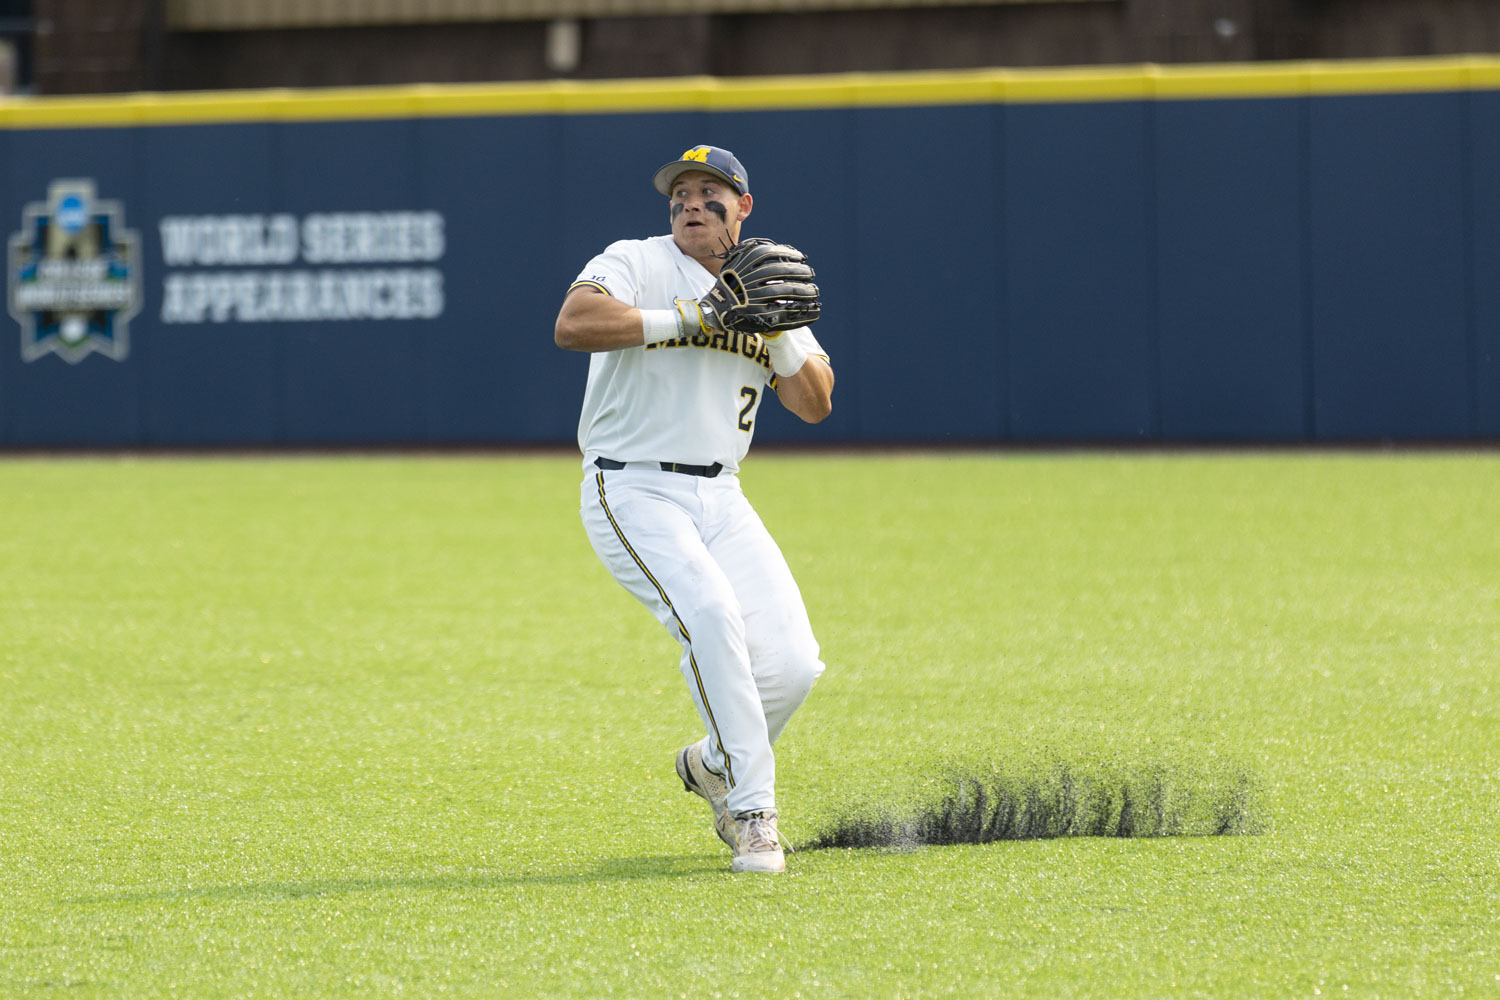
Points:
787	356
661	324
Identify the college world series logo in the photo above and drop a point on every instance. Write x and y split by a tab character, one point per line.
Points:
75	275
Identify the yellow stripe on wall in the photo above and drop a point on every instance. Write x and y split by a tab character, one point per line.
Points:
700	93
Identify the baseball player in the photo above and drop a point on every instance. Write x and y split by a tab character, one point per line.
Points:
682	350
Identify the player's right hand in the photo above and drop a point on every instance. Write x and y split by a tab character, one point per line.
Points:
698	315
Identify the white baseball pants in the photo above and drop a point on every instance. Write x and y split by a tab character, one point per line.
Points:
694	552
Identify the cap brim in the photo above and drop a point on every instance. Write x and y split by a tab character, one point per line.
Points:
668	174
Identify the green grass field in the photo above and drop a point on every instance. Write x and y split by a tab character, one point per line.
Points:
382	726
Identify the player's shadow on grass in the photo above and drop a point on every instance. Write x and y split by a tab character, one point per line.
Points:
608	870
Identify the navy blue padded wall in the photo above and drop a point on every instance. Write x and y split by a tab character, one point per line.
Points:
206	384
1240	270
927	250
1078	260
1231	300
350	382
1484	277
1387	245
489	370
50	402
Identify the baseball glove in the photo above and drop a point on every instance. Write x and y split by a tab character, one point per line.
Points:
763	287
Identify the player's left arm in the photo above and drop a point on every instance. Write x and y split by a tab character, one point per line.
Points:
808	392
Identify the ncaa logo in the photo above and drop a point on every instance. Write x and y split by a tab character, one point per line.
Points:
71	214
75	277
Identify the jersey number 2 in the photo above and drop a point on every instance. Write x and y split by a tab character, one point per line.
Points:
749	394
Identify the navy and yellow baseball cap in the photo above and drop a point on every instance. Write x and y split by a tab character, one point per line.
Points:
710	159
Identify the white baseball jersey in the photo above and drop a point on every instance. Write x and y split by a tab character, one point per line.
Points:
692	400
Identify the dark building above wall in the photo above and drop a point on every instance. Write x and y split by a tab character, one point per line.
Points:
83	47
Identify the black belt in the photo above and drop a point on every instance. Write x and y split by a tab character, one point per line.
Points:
706	471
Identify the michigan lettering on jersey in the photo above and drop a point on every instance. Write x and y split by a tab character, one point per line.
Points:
746	345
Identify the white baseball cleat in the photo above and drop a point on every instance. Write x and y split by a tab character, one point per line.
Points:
704	783
758	843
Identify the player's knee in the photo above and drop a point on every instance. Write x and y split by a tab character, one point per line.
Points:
792	667
805	672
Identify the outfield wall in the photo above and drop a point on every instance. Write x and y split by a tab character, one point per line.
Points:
1270	253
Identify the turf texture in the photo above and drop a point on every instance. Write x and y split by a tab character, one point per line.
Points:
381	726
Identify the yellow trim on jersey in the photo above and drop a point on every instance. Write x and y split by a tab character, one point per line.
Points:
697	677
590	284
707	94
